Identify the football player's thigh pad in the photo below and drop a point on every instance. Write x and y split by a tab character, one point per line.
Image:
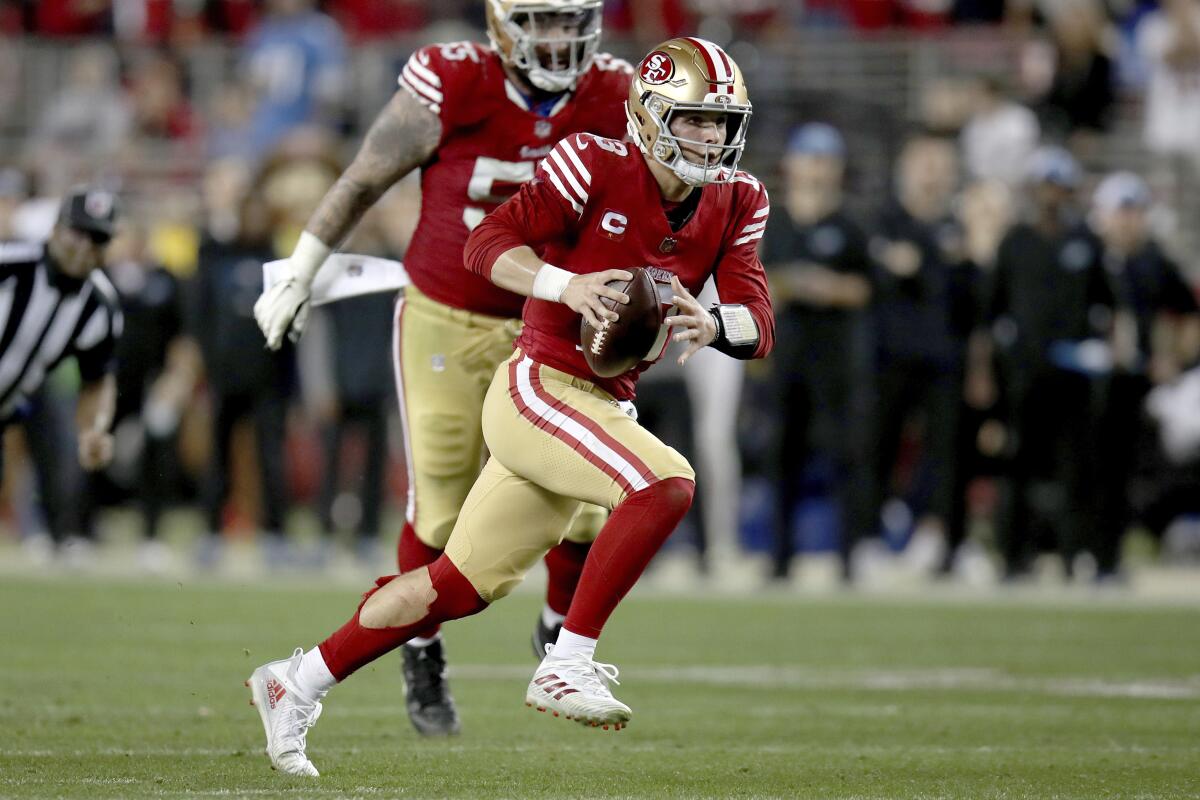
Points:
505	527
571	439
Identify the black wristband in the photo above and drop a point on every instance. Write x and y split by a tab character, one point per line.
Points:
737	332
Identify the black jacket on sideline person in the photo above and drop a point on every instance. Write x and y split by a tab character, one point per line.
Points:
228	283
818	371
1050	296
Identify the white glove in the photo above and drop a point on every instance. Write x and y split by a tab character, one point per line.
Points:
284	307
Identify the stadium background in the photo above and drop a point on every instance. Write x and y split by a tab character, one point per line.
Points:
896	689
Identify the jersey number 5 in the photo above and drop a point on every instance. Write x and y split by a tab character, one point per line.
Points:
493	182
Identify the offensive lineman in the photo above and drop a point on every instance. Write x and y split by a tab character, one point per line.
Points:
475	120
557	434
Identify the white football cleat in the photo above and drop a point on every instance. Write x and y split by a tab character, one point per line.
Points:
286	714
576	687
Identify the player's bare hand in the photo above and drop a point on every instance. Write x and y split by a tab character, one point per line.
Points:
698	326
282	309
95	449
584	294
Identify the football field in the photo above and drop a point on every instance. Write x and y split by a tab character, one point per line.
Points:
120	689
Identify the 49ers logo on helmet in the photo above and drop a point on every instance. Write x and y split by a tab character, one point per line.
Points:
657	68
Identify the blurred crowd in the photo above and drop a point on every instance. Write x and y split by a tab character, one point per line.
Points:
970	329
995	353
182	22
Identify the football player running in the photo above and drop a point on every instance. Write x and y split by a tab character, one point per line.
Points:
558	435
475	120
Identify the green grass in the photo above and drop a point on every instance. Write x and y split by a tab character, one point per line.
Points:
116	689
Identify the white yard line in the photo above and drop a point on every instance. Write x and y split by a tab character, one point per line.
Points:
934	679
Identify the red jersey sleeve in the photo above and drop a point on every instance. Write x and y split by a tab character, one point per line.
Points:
543	209
739	274
442	77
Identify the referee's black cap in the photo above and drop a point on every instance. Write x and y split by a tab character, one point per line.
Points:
92	210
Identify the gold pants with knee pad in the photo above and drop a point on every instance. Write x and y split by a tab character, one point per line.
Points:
556	441
444	361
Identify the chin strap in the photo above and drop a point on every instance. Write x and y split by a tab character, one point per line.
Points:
737	332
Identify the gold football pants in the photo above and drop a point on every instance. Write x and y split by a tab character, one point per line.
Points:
556	442
444	361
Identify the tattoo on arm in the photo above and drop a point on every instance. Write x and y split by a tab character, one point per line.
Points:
401	138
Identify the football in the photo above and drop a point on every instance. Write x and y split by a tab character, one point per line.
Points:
617	347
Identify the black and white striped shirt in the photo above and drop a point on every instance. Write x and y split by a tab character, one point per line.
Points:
46	317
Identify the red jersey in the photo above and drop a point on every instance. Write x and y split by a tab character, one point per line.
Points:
595	205
491	142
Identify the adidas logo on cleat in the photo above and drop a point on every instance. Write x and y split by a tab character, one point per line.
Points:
275	692
549	683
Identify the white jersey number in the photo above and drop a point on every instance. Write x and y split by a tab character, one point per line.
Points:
494	181
610	145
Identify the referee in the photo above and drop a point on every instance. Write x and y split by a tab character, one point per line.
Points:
56	303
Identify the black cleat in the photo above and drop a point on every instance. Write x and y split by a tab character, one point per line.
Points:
430	704
543	636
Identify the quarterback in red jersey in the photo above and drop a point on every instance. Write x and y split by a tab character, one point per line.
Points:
476	120
558	435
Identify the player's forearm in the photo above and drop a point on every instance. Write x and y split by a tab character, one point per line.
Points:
341	209
402	137
96	406
517	270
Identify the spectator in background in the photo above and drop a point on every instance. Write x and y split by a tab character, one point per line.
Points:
1049	312
985	212
296	60
974	12
192	21
245	379
816	257
919	351
72	18
374	19
914	14
1156	333
648	21
362	395
158	97
85	123
157	369
1000	134
1169	41
1078	97
228	119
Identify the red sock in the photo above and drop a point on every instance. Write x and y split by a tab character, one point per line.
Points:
564	565
351	646
635	531
412	554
